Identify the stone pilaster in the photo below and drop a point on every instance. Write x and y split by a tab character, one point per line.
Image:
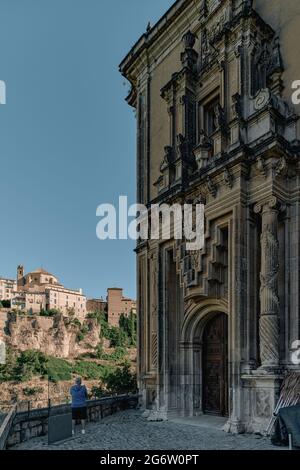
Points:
269	299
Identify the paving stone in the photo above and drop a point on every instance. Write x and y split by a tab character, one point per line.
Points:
129	431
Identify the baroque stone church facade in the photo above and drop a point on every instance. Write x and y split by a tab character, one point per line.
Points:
211	85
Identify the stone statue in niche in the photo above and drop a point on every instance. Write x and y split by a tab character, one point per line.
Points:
204	140
205	47
219	117
267	62
168	158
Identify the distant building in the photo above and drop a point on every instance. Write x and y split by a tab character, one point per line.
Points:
7	288
41	290
96	305
117	304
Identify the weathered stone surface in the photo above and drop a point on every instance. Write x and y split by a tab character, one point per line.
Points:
128	431
53	336
217	125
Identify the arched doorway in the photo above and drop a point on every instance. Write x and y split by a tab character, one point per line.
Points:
215	366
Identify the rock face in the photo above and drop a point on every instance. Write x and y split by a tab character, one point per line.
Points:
3	320
57	336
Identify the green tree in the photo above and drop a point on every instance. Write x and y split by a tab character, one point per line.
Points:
129	325
101	317
98	392
7	370
30	363
82	333
49	313
121	381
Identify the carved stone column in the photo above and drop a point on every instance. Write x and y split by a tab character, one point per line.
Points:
269	299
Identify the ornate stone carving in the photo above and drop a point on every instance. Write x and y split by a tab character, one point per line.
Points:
247	6
220	118
154	351
195	260
211	187
154	286
261	167
205	48
269	340
280	168
189	56
237	105
269	299
276	64
212	5
189	40
262	99
228	178
203	9
263	407
267	63
168	158
153	325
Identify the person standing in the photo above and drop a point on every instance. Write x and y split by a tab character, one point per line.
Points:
79	396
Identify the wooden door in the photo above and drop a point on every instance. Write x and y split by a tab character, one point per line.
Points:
215	366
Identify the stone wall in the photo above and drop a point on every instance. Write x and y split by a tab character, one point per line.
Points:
28	425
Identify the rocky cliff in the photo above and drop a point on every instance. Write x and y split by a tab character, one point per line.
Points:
3	320
58	336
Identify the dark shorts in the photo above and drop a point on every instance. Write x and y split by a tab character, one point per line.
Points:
79	413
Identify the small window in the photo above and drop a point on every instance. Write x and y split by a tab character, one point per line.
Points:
210	114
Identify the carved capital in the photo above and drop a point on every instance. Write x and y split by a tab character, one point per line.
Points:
272	204
257	208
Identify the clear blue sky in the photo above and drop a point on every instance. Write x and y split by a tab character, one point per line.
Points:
67	138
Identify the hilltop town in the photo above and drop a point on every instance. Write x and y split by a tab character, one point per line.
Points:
53	333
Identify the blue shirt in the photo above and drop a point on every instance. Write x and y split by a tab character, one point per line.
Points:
79	396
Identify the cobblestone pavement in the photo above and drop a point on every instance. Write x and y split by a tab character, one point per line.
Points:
129	431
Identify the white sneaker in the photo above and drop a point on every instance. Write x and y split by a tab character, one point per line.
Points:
83	431
73	433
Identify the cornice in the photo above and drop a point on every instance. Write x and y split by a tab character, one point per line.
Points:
149	37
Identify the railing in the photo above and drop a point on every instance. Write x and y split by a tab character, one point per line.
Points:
6	425
26	406
31	423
